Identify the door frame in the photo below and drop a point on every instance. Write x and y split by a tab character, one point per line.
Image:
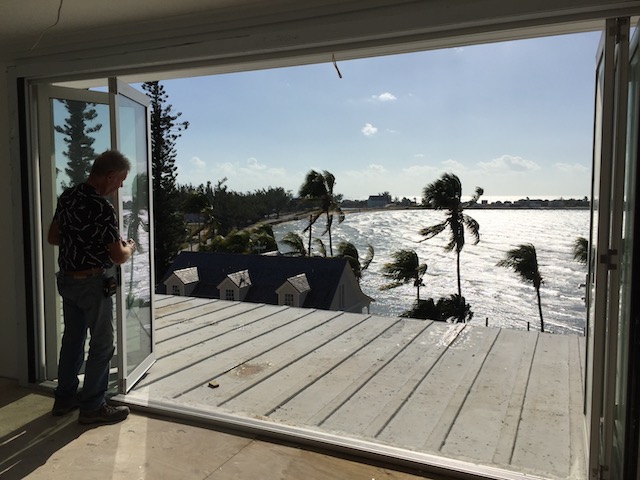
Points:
49	320
610	130
126	379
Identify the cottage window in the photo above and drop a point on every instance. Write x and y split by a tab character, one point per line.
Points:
175	290
229	294
288	299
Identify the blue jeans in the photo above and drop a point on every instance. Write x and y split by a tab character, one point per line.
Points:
85	308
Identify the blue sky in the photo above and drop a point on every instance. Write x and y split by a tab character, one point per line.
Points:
515	118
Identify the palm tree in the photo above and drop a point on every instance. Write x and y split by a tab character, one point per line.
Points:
524	261
404	268
295	244
581	250
322	250
318	187
445	194
349	251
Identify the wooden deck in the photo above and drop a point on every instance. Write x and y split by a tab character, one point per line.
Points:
495	397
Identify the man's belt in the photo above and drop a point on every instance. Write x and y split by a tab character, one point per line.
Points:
78	274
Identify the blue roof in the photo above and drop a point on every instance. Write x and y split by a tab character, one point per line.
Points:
267	274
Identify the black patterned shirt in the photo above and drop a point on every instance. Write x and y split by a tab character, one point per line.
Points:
87	225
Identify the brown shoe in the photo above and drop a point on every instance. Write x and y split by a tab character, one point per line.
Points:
106	414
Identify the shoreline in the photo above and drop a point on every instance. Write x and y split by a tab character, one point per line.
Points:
294	217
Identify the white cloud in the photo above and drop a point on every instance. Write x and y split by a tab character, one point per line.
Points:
575	168
369	130
509	164
453	165
253	164
198	163
384	97
419	155
227	168
417	171
375	168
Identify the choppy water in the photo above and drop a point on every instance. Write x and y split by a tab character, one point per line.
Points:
495	293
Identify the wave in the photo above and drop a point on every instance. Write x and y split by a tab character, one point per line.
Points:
494	293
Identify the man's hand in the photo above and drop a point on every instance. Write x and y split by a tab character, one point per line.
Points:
121	251
131	244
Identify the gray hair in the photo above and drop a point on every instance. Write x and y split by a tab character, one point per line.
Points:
108	162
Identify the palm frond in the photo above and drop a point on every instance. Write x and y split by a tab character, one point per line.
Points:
523	261
295	242
473	226
314	186
433	230
368	259
476	196
581	250
329	180
444	193
404	268
321	248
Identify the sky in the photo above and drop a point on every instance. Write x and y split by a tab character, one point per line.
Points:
515	118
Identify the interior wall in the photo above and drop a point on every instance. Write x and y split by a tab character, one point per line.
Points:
8	287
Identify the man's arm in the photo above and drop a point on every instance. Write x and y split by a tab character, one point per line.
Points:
53	237
121	251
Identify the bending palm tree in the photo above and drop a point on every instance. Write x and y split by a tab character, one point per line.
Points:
295	243
318	187
404	268
445	194
524	261
581	250
350	252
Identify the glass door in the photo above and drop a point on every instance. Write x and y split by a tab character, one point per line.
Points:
605	241
74	126
625	401
130	115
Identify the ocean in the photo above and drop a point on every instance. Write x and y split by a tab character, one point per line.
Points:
497	295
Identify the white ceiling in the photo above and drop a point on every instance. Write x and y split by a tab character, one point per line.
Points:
24	22
142	36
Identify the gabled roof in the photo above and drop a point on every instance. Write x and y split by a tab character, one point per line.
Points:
300	283
187	275
240	279
267	273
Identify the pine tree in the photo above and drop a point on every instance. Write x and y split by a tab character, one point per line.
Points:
79	142
169	225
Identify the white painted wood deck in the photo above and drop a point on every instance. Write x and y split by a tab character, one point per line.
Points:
496	397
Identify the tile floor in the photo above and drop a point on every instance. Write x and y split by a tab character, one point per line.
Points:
35	445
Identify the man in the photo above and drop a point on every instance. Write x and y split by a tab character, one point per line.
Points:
86	229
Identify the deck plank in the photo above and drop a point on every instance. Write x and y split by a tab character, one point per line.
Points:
497	397
323	397
212	358
369	409
544	432
213	323
174	355
178	304
292	370
439	395
486	426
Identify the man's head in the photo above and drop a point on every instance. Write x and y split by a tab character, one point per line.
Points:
108	171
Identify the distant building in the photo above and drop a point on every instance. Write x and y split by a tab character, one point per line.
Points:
307	282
